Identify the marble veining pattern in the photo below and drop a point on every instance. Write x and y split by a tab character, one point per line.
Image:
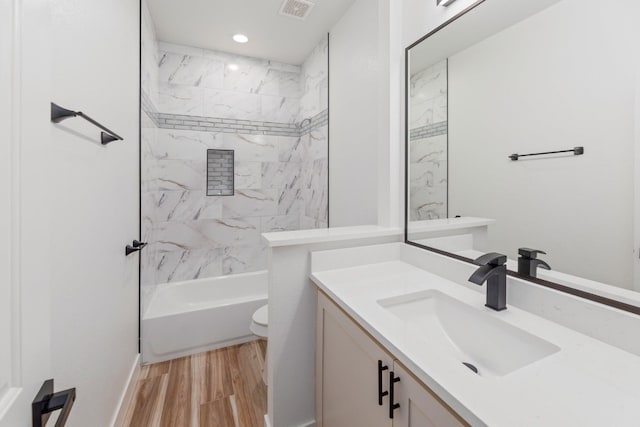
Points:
148	135
428	139
201	102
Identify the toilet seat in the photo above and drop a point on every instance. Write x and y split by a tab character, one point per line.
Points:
260	322
261	316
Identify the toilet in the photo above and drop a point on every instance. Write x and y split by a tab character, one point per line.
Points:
260	327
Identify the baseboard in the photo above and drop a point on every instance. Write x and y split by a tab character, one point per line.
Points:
267	422
127	394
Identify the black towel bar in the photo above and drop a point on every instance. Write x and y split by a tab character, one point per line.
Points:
577	151
59	114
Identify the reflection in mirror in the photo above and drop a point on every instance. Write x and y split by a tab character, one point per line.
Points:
428	143
525	77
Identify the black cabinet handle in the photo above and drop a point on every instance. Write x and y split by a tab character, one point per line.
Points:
381	393
392	406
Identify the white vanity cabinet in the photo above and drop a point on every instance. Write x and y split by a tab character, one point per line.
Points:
419	406
353	374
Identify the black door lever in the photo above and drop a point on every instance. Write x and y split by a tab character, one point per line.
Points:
134	247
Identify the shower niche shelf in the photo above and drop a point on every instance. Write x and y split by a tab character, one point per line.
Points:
220	172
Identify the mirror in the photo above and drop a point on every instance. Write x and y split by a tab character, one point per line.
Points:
517	77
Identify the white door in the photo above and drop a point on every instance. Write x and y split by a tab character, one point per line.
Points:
25	359
68	205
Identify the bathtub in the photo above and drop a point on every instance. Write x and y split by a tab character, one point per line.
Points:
190	317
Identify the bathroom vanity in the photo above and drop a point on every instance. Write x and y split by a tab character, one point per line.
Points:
355	368
403	339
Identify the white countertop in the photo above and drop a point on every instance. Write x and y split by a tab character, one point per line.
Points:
322	235
586	383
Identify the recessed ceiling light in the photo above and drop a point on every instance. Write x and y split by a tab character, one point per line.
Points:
240	38
233	67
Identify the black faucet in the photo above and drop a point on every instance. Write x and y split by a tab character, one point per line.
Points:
493	271
528	264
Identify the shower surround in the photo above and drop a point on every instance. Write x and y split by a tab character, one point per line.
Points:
428	141
213	100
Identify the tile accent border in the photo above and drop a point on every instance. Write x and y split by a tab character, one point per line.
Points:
215	124
435	129
148	107
319	120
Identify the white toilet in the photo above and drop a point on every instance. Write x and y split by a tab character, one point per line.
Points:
260	327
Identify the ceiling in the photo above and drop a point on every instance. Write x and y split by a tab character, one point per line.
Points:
210	24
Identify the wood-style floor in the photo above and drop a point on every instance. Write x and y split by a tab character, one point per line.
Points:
221	388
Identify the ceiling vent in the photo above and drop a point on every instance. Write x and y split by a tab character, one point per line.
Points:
298	9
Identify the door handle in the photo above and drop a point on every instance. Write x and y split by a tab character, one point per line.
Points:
381	393
134	247
46	401
392	406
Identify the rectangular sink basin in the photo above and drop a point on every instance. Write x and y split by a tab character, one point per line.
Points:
469	336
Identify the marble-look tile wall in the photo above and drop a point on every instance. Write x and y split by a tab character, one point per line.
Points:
428	143
213	100
149	53
148	136
314	120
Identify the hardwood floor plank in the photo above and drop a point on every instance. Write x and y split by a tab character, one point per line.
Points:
197	379
218	413
164	384
177	406
215	376
155	370
148	402
249	390
234	408
263	347
218	388
245	414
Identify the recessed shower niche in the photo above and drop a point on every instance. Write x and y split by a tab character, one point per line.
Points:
220	167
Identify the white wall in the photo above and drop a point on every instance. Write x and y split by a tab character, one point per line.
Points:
561	85
93	212
6	29
637	180
367	106
354	96
292	319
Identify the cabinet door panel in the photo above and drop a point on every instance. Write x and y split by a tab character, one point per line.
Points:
349	373
418	406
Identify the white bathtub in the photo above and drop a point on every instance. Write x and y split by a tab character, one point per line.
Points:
185	318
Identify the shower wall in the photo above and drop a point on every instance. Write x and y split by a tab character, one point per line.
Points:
428	177
148	137
314	137
207	100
